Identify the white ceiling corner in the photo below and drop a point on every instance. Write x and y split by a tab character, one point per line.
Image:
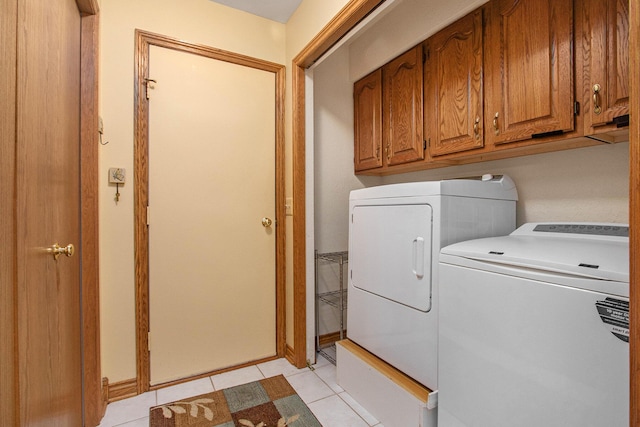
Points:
275	10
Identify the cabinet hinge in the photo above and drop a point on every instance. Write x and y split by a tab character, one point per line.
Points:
424	144
576	108
621	121
149	341
547	134
425	56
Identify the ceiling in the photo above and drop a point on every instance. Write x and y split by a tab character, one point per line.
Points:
276	10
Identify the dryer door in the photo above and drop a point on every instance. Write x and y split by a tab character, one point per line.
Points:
391	252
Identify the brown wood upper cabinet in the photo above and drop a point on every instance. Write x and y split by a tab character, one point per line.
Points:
402	108
498	83
367	101
605	53
453	99
388	114
528	69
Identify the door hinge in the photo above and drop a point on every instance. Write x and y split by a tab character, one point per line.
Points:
148	216
149	84
576	108
149	341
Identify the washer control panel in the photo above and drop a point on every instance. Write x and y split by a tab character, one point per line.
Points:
591	229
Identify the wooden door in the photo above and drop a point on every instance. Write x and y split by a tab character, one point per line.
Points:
606	50
212	223
49	373
529	69
402	93
453	113
367	119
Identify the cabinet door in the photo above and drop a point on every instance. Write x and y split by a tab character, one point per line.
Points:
402	94
606	52
529	69
454	119
367	102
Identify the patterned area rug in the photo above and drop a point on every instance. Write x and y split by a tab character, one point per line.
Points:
270	402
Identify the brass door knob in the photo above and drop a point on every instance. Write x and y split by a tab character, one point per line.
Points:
266	222
56	250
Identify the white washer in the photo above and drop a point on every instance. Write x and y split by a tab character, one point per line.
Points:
395	235
534	328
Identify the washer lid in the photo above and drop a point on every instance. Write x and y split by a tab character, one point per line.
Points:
601	257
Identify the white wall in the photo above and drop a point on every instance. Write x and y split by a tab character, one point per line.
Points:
585	184
334	178
405	24
333	152
196	21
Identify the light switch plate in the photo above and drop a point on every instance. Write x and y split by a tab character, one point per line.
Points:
288	206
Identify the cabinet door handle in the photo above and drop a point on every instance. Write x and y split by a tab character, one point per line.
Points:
476	127
597	109
495	124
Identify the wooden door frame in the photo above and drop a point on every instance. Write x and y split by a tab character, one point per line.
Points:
95	396
94	400
634	209
143	41
346	19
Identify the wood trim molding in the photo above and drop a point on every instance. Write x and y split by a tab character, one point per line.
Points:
299	358
340	25
348	17
122	390
143	40
330	338
289	354
281	241
8	320
634	210
140	201
88	7
401	379
94	401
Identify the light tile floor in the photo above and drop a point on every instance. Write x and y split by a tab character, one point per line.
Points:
331	405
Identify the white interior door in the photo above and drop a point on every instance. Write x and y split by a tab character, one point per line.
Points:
212	300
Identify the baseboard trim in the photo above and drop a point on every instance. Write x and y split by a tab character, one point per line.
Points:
289	354
331	338
122	390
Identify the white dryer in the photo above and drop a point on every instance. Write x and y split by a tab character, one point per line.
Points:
534	328
395	235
